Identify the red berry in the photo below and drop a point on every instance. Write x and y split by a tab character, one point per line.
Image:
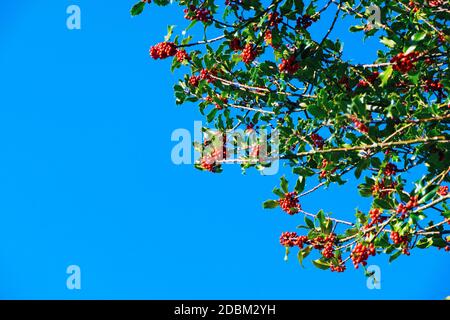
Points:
288	239
289	65
290	203
194	80
200	14
235	44
405	62
249	53
163	50
390	169
443	191
306	21
182	55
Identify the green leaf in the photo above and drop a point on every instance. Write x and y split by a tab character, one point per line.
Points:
302	254
388	42
395	256
386	75
211	115
300	185
169	32
309	223
419	36
278	192
321	265
300	257
424	243
270	204
162	2
284	184
137	9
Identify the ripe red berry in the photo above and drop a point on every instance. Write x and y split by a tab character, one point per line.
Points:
274	19
361	253
289	65
390	169
361	127
405	62
268	37
249	53
370	80
290	203
194	80
235	44
443	191
435	3
318	141
288	239
200	14
163	50
433	86
340	267
306	21
328	251
207	75
182	55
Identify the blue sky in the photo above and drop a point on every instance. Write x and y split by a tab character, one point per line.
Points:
86	178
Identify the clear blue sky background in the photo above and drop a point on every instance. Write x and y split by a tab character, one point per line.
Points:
86	177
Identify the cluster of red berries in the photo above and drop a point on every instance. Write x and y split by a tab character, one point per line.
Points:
255	151
290	203
328	250
274	19
317	140
182	55
413	6
340	267
235	44
208	75
289	65
435	3
199	14
345	81
401	241
383	188
390	169
403	209
323	174
209	161
433	86
361	253
291	239
224	101
360	126
321	242
163	50
287	239
306	21
405	62
443	191
194	80
249	53
376	218
370	80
